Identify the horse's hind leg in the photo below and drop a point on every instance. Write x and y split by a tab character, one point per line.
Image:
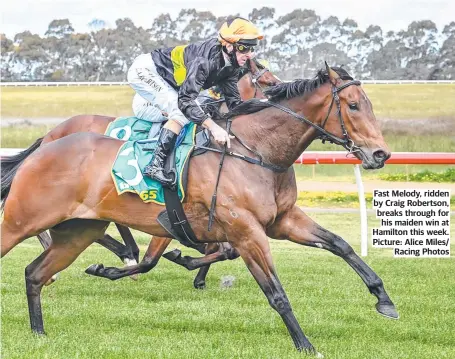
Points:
128	253
154	252
12	235
130	243
299	228
68	242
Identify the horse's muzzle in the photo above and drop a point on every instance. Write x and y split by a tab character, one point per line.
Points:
373	159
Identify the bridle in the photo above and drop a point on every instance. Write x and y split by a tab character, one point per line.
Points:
255	77
324	135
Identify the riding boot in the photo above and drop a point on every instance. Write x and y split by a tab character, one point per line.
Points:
155	169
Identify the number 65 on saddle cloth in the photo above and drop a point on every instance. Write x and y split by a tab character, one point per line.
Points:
133	156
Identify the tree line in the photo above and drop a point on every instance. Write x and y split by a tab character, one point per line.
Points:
295	46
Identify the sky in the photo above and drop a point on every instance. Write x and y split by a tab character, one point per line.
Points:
35	15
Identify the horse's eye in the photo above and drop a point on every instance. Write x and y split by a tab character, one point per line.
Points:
353	107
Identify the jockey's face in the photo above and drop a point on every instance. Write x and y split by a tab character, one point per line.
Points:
241	58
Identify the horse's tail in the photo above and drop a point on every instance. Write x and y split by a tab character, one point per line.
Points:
9	166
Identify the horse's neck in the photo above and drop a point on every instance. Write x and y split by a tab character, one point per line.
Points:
279	137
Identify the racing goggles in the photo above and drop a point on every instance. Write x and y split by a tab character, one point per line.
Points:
244	49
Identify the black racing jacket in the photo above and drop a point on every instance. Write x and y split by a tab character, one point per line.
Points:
191	68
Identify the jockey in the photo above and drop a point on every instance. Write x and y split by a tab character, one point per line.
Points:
169	81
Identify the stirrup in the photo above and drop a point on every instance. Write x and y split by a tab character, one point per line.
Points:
151	172
148	171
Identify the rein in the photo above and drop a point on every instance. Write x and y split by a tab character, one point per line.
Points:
346	142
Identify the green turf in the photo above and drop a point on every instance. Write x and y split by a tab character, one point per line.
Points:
389	101
161	316
412	100
57	102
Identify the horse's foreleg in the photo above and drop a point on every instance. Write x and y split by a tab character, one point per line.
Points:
231	253
218	254
154	252
297	227
255	251
199	280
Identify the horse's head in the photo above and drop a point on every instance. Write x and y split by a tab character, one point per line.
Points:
254	79
348	115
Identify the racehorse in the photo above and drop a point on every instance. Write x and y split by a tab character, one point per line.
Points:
256	201
253	79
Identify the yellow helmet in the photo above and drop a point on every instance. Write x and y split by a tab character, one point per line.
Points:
238	29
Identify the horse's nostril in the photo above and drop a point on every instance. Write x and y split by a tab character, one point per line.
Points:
380	155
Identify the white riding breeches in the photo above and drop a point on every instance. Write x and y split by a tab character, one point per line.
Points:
153	94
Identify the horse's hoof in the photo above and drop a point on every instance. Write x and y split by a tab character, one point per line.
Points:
312	352
173	255
94	269
199	285
387	310
53	279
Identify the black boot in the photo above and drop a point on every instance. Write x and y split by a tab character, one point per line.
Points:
155	169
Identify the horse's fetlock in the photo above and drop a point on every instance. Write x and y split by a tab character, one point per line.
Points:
376	286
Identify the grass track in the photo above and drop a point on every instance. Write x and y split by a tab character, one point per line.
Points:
161	316
389	101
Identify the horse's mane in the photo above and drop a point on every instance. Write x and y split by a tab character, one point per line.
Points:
287	90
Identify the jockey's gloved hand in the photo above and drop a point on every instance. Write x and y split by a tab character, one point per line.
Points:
219	134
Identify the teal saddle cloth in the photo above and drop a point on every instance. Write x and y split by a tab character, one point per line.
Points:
137	153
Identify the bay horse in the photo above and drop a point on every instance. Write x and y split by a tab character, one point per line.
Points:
254	78
255	201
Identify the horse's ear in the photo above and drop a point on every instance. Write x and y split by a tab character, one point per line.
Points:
333	76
